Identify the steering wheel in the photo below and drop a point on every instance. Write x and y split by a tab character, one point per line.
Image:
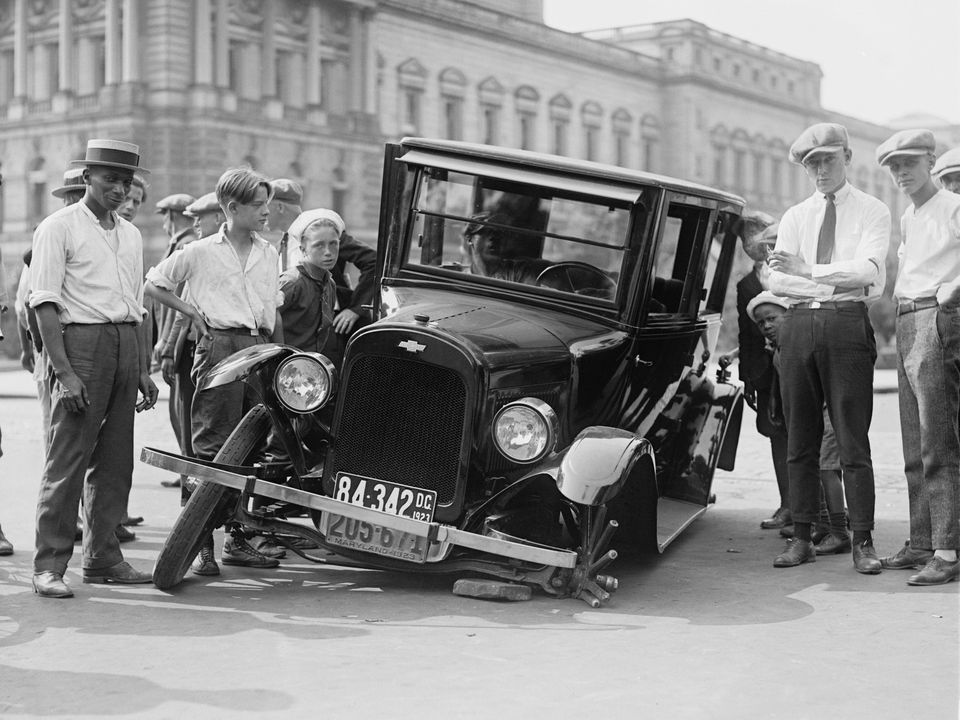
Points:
579	278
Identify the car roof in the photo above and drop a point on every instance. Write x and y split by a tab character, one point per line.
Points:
563	165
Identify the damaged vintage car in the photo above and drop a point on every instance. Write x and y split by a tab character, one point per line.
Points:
535	383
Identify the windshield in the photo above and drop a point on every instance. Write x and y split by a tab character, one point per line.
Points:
519	234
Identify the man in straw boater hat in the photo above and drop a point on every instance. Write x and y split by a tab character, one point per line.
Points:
87	275
73	187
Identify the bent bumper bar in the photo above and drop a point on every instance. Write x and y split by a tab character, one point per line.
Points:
434	532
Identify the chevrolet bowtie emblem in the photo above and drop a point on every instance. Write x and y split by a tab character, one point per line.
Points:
412	346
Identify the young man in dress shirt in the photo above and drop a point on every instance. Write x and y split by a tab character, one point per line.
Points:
234	293
87	290
928	358
829	261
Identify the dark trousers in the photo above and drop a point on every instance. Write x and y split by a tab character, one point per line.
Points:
106	358
827	356
217	411
778	445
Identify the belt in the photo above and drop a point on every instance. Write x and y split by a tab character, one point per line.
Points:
239	331
909	306
828	304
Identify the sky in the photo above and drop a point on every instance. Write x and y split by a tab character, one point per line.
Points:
881	59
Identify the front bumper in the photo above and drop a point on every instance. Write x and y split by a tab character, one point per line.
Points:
445	536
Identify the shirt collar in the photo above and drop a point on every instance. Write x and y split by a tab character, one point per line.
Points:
840	195
96	221
313	272
221	237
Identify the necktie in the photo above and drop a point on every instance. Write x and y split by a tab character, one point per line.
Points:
828	232
284	239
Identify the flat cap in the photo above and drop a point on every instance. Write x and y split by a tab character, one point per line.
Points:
202	205
177	202
819	138
287	191
906	142
765	298
947	163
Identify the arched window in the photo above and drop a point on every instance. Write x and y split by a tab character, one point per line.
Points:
453	87
559	108
411	83
490	95
591	115
527	101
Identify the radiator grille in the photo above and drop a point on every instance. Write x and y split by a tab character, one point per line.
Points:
403	422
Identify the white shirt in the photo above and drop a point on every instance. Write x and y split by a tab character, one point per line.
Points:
930	251
227	294
91	274
862	238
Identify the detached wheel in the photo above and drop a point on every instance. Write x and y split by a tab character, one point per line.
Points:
207	505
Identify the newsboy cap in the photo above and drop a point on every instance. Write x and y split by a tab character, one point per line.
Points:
765	298
72	183
202	205
947	163
906	142
177	202
287	191
819	138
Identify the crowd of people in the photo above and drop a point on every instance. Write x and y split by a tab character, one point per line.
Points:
807	351
95	326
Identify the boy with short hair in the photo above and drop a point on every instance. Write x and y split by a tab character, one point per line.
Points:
928	358
234	298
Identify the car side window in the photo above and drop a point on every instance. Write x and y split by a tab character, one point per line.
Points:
684	228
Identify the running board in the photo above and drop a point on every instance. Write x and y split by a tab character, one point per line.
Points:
673	517
434	532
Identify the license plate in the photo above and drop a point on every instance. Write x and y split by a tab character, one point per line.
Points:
388	497
402	500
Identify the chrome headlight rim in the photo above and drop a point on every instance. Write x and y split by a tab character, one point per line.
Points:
550	421
323	363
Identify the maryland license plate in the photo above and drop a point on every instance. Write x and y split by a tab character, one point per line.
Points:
410	502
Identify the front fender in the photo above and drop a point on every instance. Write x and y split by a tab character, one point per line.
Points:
239	365
598	463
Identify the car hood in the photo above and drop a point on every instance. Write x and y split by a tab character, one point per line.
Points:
501	331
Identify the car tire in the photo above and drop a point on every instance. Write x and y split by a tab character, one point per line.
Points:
210	502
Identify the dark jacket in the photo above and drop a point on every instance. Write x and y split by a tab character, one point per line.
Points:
364	258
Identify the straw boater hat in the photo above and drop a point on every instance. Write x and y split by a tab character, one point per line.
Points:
72	183
112	153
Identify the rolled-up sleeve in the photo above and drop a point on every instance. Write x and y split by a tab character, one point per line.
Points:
51	245
789	240
172	270
871	253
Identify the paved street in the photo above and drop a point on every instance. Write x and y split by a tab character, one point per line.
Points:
708	630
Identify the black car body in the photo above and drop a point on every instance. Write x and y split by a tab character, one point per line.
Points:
536	375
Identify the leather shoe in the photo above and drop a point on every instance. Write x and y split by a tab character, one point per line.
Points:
781	518
237	551
124	535
907	558
204	563
130	521
936	572
6	547
268	547
171	483
122	573
796	553
51	584
833	543
865	559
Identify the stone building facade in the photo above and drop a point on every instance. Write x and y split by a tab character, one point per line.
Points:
311	89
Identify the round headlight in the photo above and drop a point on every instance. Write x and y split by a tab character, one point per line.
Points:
525	430
305	382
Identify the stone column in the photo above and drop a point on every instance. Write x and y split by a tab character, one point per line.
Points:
222	49
314	78
369	64
131	41
355	77
86	54
20	49
202	46
268	74
65	33
111	75
41	72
